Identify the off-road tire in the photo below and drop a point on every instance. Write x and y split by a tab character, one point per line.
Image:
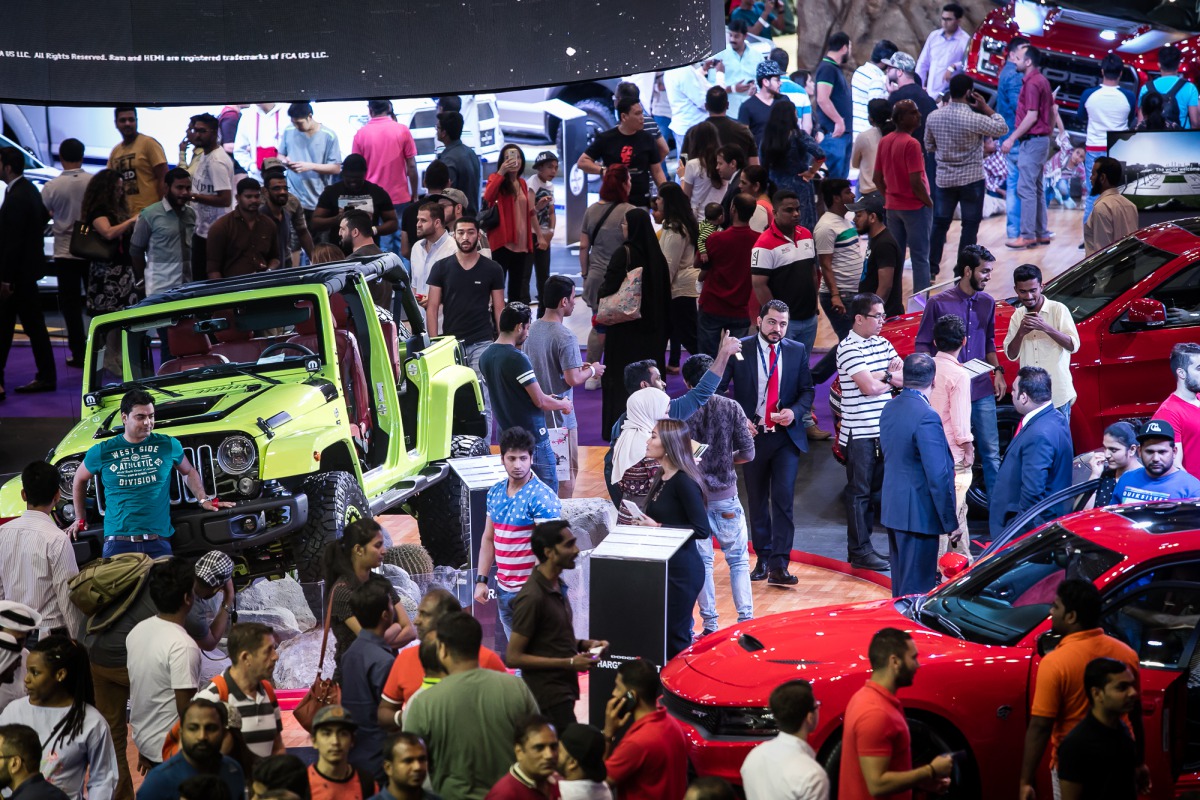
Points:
443	511
335	499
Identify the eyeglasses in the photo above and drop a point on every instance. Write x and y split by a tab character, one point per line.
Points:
875	316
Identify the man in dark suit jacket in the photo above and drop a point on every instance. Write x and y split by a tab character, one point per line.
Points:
23	221
773	386
1038	461
918	480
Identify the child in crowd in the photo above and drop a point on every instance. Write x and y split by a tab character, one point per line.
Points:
541	185
714	218
995	178
1060	169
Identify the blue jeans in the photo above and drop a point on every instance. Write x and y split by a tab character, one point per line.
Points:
545	466
837	155
1089	199
504	601
1012	201
987	438
1059	190
155	549
728	524
664	127
804	331
709	327
1065	410
913	230
970	197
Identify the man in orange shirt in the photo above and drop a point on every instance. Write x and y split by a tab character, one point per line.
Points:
407	673
1059	698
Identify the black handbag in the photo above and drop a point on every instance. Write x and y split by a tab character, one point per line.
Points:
88	245
489	219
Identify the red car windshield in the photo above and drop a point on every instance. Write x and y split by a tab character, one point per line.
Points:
1095	282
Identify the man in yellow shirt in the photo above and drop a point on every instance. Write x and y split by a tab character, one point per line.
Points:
140	161
1042	334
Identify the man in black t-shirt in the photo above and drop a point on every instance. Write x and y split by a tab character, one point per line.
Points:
729	130
768	77
627	144
883	267
355	191
834	106
1098	759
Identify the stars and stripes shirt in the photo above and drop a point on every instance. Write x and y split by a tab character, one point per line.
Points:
860	413
513	519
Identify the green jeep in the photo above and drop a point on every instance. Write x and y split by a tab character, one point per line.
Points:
295	397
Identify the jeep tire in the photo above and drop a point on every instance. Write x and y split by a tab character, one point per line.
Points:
443	511
335	499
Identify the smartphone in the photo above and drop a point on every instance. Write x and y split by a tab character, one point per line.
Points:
597	650
628	704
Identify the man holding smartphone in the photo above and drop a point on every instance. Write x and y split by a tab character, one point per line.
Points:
1042	334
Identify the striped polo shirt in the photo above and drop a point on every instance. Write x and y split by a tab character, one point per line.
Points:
261	720
513	519
860	413
790	266
837	236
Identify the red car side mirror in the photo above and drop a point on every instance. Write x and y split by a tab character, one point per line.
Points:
1145	312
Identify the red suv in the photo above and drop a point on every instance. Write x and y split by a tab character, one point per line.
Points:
1073	36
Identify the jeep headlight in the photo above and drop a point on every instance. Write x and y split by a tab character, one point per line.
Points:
236	454
66	475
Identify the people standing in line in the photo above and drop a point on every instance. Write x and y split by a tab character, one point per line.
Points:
63	199
649	760
1182	407
870	82
532	776
243	241
1103	108
164	237
1113	216
677	240
1060	700
772	384
391	154
543	645
1038	460
1160	479
835	106
601	234
312	155
1117	455
1008	93
581	769
876	744
1042	334
202	728
554	352
333	776
756	110
1036	119
348	563
512	239
944	51
725	279
1170	84
635	340
462	161
722	425
677	499
628	144
786	767
975	307
866	146
955	134
23	220
792	158
212	185
1098	758
139	160
24	779
883	263
37	561
517	398
258	136
868	371
901	177
406	765
951	398
840	258
918	506
489	703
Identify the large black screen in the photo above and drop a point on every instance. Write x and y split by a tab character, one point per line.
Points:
156	52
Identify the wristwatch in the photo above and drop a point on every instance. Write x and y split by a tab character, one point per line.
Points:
481	579
887	377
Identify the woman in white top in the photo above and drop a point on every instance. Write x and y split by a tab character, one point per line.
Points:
701	182
77	749
678	242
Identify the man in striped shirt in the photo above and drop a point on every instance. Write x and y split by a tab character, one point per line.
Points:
245	686
514	506
868	369
869	82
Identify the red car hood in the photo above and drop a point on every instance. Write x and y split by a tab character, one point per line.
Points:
902	331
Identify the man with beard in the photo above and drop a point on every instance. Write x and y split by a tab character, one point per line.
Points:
876	745
1182	407
883	266
434	243
212	183
243	241
835	106
246	686
536	748
1113	216
163	237
22	777
200	736
286	212
1042	334
354	236
755	110
1059	698
1160	479
1098	758
406	764
581	769
543	643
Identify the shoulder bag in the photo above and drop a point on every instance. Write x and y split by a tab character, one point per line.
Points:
323	692
625	304
88	245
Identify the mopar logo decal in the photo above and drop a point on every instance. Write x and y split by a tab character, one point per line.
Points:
312	365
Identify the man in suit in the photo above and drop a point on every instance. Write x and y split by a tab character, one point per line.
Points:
1038	461
23	221
773	386
918	480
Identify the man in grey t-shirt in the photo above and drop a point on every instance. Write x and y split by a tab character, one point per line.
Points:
554	352
212	609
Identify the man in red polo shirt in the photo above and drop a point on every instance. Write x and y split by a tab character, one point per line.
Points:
1036	119
650	761
876	748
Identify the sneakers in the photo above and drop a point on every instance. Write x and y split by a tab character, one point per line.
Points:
591	384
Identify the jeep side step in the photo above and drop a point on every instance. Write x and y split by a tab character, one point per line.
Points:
434	473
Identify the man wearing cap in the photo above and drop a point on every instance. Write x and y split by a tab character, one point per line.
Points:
333	777
755	110
1160	479
36	559
883	264
17	621
312	155
581	764
355	191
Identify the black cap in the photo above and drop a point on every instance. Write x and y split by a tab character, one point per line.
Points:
871	203
1156	429
585	744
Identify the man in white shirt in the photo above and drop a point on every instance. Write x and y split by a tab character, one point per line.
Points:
786	768
1103	108
686	88
36	557
165	673
1042	334
434	244
258	136
63	198
869	82
943	51
212	184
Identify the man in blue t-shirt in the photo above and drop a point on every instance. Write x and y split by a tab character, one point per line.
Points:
1170	82
134	470
200	736
1160	479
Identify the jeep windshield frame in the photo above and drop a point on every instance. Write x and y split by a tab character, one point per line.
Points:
1098	280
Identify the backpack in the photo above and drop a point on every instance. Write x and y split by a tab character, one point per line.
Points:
106	588
172	744
1170	106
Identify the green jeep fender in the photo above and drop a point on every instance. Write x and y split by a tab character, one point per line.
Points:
11	504
437	426
303	453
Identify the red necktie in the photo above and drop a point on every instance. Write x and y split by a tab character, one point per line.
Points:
772	406
1020	425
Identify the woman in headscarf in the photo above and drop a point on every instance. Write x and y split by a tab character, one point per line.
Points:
639	339
631	473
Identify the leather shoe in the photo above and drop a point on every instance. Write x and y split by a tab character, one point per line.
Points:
815	434
35	386
781	577
75	363
872	561
1020	243
760	571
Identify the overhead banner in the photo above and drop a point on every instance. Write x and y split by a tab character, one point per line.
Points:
157	52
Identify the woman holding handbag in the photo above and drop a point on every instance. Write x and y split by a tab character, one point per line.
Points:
643	337
512	239
111	280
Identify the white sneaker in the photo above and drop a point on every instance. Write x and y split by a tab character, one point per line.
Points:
592	384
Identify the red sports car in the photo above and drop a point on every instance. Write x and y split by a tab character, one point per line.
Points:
979	639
